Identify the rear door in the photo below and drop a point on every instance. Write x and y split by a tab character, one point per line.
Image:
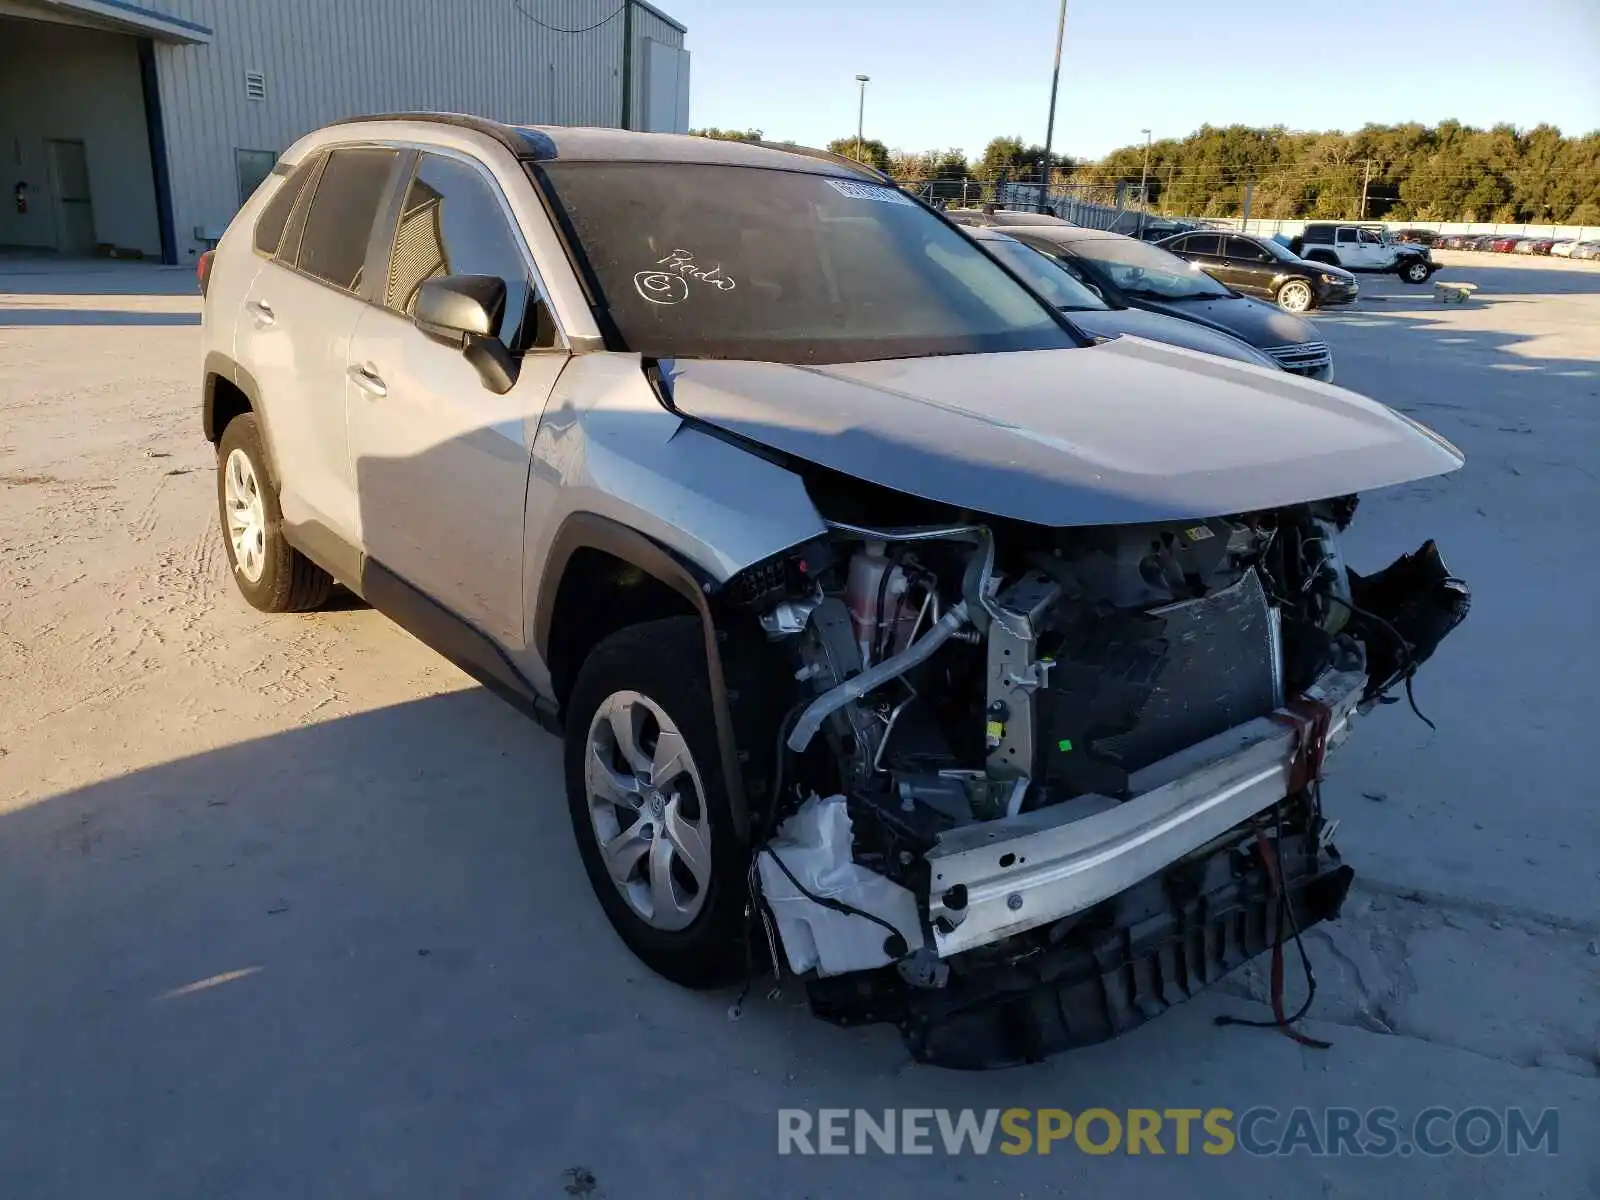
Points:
294	338
1247	267
441	462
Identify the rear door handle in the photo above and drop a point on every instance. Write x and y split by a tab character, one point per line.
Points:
262	311
368	381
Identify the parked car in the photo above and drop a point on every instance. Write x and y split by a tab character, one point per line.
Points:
1127	272
1563	247
807	525
1362	248
989	215
1451	241
1534	245
1261	266
1504	244
1420	237
1093	315
1586	250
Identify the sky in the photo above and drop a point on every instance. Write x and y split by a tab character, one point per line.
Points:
954	73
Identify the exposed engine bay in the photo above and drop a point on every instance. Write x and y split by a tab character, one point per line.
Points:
1036	784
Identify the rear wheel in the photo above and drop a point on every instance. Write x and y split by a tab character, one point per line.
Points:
1296	296
272	575
648	803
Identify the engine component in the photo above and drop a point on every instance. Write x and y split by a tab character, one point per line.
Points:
870	921
831	656
1015	674
875	677
1130	689
875	591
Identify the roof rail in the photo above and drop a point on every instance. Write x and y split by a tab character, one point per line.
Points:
523	142
841	160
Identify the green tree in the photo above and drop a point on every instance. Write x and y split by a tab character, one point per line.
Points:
728	135
869	150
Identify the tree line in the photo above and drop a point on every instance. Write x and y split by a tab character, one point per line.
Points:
1445	172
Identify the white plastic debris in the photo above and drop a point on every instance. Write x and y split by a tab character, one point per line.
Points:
815	845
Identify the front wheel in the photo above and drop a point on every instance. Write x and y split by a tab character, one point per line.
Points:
1414	271
649	806
1296	296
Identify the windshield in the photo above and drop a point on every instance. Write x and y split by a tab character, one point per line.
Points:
1045	276
1277	249
1141	269
702	261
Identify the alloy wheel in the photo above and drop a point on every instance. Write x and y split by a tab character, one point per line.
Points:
1295	297
646	803
246	514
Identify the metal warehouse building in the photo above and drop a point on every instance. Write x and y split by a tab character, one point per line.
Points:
140	128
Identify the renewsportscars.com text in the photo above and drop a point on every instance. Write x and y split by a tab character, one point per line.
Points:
1262	1131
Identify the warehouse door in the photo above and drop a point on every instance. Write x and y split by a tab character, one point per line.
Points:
69	182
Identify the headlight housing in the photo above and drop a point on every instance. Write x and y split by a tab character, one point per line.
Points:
1334	279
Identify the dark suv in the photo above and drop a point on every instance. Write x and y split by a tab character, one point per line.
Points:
1261	267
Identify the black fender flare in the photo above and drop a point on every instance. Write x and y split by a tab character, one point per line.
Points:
1322	256
584	530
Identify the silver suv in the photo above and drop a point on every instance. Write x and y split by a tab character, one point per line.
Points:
900	635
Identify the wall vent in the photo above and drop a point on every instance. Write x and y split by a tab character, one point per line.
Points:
255	85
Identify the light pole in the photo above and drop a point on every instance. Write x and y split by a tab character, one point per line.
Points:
1144	175
861	113
1050	123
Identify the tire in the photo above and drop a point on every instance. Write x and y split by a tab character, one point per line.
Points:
1296	296
274	577
695	938
1414	270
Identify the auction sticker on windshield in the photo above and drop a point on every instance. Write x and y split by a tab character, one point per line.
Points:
868	191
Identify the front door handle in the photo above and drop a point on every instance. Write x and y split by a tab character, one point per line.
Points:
369	381
262	311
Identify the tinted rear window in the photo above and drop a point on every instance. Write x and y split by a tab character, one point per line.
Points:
334	245
785	266
269	228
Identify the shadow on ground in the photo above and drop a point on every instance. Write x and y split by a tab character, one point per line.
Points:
43	317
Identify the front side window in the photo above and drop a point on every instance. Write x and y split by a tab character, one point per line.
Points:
1246	250
1368	238
714	261
333	246
1146	271
452	224
1202	243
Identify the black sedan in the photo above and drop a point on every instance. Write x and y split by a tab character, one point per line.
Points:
1259	266
1090	313
1125	271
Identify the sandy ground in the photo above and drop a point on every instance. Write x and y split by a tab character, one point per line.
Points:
291	907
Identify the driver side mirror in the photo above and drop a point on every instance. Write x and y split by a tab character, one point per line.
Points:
465	311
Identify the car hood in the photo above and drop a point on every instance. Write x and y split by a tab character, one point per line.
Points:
1115	322
1123	432
1249	320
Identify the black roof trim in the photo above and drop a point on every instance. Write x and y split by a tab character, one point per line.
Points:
524	143
839	160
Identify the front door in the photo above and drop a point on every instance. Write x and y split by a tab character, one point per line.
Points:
440	461
74	210
1246	267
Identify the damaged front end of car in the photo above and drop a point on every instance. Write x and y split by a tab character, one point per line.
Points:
1035	785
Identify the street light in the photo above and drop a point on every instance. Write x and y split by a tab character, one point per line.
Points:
861	113
1144	175
1050	122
